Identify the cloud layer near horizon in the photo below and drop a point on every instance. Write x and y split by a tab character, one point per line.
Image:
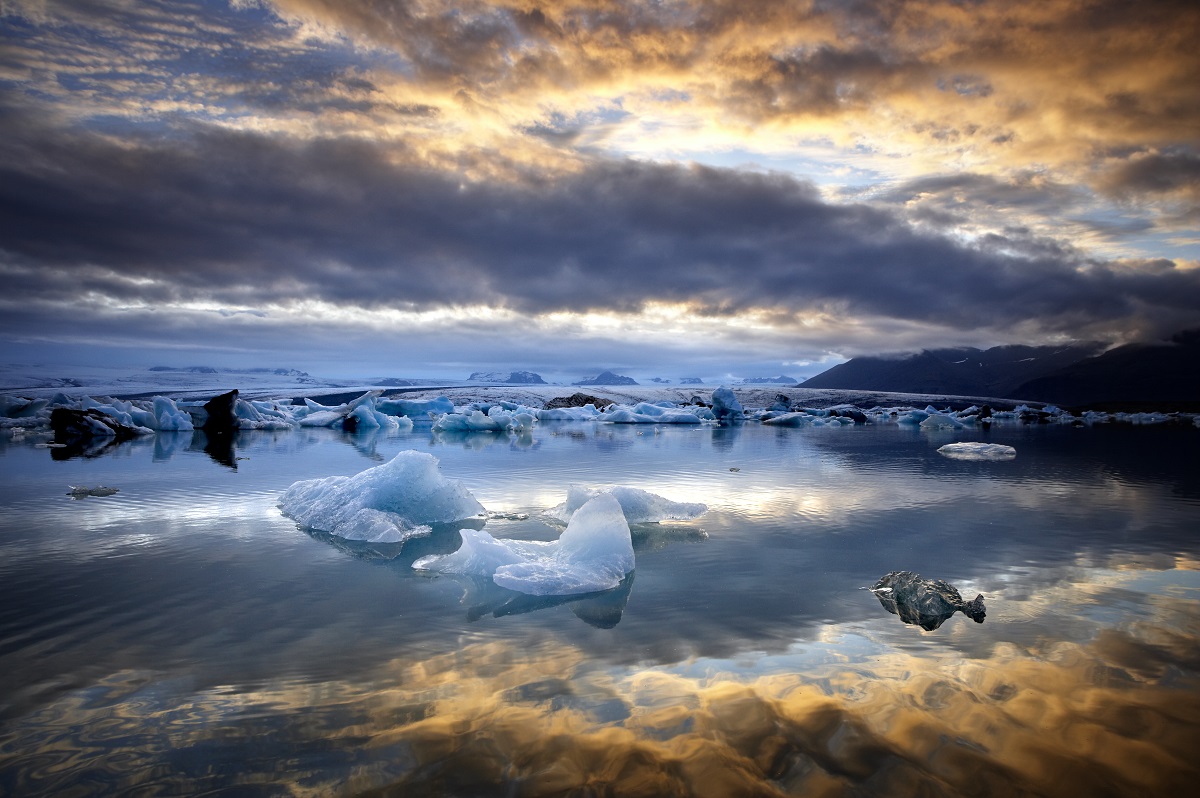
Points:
805	180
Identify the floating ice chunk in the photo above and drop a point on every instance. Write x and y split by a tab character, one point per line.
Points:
496	419
480	555
639	506
594	553
321	418
928	603
169	417
378	526
586	413
403	495
653	414
941	421
790	420
17	407
415	408
978	451
725	405
474	421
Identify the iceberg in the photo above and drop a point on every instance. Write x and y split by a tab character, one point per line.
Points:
389	503
167	416
638	506
587	412
978	451
594	553
940	421
806	419
496	419
415	408
644	413
725	405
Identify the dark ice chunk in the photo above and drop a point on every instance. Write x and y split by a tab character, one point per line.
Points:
928	603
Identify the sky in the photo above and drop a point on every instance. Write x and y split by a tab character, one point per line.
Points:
720	189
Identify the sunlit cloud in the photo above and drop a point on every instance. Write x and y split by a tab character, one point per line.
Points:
795	171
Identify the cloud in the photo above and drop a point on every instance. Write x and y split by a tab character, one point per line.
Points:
1010	170
244	220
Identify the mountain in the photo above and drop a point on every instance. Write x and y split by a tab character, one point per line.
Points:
1163	375
780	380
608	378
965	371
511	378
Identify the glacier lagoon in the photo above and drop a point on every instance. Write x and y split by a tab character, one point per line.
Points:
182	636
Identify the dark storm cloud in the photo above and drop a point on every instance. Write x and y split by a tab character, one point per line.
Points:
1172	177
240	219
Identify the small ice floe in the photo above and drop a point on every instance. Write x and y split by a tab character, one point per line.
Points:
927	603
978	451
594	553
389	503
646	413
82	492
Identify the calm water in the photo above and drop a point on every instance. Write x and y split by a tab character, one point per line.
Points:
182	637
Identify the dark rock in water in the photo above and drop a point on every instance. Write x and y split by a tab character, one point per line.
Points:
928	603
73	426
577	400
852	413
220	413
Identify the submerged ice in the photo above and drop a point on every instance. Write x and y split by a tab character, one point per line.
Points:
639	506
389	503
594	553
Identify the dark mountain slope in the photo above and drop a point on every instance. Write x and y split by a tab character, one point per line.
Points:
998	371
1164	375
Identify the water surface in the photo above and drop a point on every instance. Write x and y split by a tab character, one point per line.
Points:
181	636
